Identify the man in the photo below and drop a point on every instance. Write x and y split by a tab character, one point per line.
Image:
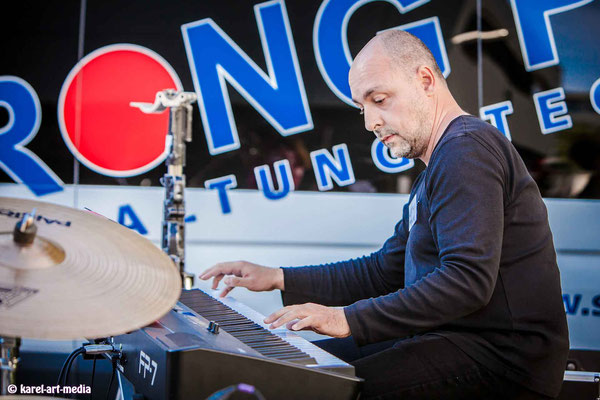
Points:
464	300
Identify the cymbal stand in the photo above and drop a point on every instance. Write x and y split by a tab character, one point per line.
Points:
180	133
23	235
9	360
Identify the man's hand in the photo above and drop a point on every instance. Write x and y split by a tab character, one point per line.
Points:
321	319
252	276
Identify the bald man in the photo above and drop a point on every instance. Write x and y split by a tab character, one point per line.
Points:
464	300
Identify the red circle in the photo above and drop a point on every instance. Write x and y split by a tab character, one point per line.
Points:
114	138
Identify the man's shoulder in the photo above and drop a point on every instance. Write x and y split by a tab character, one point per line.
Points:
474	128
468	136
471	152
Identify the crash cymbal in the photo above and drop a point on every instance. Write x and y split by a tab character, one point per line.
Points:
82	275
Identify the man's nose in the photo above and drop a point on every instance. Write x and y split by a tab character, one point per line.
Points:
373	121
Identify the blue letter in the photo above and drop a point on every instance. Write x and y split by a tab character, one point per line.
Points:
331	44
285	180
496	114
571	306
385	162
532	18
326	167
24	116
222	184
552	110
595	95
136	224
215	58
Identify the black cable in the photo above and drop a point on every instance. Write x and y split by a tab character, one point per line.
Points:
65	380
63	377
68	370
112	378
73	354
92	384
62	369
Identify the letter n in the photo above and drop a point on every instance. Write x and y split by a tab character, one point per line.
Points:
215	59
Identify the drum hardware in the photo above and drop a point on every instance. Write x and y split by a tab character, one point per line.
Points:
179	133
9	360
25	230
23	235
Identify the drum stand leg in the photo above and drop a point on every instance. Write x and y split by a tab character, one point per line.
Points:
9	359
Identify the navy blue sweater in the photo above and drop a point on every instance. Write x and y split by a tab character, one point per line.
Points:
472	260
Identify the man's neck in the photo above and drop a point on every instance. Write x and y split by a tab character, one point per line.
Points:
441	122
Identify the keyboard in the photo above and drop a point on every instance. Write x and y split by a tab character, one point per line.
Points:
247	325
205	344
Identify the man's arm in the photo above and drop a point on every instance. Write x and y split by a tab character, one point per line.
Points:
340	283
345	282
466	196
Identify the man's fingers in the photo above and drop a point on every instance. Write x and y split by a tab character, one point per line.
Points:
216	281
206	274
305	323
276	315
291	323
232	281
209	273
235	281
287	317
226	291
228	268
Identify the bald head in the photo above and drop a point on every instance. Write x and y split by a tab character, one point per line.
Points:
405	51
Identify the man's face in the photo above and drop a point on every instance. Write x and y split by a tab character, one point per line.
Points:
395	107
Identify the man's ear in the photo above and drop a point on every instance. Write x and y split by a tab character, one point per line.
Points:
427	79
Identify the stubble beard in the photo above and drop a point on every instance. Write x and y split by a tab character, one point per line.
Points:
412	144
402	149
416	143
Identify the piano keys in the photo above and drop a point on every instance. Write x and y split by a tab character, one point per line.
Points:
205	344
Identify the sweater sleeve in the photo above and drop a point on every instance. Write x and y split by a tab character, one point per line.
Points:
343	283
464	189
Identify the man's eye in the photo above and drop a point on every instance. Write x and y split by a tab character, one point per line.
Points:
378	101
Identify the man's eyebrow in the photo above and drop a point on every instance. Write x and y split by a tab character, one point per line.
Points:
370	91
366	94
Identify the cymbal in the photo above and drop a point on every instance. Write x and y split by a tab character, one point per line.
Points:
83	276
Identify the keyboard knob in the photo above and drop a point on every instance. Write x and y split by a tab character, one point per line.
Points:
213	327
